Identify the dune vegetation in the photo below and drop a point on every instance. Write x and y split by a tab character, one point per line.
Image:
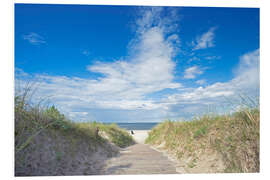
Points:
47	143
212	143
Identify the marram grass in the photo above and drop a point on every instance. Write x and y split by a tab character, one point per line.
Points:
234	137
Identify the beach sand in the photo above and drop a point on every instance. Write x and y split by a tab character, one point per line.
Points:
140	135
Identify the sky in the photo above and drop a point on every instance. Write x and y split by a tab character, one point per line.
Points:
137	64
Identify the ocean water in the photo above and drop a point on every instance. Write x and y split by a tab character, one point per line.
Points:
137	126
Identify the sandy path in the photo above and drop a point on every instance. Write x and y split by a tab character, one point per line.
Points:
139	159
140	135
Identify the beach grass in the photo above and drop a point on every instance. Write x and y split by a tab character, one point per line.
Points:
44	137
234	137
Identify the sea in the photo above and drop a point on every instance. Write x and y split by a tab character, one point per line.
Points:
137	126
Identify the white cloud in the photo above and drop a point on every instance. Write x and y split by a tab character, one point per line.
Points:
247	74
192	72
34	38
151	70
206	40
124	84
154	17
245	83
203	95
201	82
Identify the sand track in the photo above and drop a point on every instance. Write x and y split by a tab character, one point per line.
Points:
139	159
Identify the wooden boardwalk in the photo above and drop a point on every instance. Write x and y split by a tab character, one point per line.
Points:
139	159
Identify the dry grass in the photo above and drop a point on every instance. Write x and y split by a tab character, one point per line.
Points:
233	139
47	143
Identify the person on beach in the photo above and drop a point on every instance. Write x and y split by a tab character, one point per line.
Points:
131	132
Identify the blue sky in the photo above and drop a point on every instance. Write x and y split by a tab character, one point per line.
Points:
137	64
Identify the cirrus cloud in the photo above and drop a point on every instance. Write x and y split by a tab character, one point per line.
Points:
192	72
34	38
206	40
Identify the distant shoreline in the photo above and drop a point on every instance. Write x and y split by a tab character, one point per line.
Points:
137	126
